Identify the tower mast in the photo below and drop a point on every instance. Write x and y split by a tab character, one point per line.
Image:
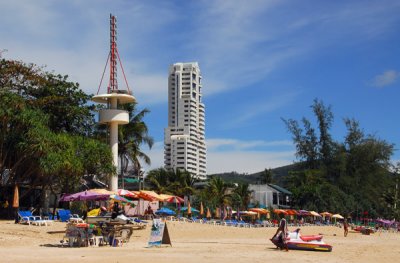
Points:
114	96
113	85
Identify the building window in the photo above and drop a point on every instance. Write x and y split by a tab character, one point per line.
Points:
274	198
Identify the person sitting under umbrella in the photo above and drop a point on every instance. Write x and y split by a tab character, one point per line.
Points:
116	211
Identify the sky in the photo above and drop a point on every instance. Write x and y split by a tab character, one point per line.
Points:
261	61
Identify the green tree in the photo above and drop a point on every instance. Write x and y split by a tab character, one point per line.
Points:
177	182
45	130
64	103
266	176
218	190
242	195
348	176
130	138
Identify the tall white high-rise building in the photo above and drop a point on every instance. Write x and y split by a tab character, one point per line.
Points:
184	140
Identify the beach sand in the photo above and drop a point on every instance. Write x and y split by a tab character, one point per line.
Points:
194	242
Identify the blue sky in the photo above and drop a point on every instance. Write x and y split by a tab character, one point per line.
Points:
260	60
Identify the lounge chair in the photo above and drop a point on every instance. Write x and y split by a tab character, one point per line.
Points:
26	217
49	216
65	215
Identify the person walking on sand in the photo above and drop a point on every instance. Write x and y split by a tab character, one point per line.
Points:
282	231
345	227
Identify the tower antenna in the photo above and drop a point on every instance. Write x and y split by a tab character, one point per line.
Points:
113	116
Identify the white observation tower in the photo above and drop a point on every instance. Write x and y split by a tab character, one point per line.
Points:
112	116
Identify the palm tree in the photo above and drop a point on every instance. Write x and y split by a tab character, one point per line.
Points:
241	195
177	182
158	180
130	138
182	183
217	189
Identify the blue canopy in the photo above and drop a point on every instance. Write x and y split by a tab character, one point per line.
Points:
165	211
194	210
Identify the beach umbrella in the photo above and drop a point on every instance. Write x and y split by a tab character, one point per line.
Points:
326	214
230	212
165	211
280	211
303	213
338	216
186	209
149	196
16	197
201	209
189	209
102	191
313	213
172	199
249	213
123	192
118	198
208	215
84	196
291	212
217	213
261	211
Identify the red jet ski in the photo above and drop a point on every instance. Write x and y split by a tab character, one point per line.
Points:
297	241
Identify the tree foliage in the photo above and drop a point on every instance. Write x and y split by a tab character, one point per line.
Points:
348	176
177	182
45	128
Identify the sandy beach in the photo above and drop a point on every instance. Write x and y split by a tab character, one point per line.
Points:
194	242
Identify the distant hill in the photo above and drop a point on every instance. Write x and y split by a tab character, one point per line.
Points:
279	175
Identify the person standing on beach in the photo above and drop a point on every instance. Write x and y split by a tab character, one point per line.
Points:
345	227
282	231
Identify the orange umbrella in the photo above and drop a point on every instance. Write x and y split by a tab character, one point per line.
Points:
189	209
208	213
291	212
149	196
201	208
326	214
280	211
16	197
260	210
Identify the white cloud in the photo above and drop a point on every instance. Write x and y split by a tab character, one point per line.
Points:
227	155
234	144
385	79
236	43
265	106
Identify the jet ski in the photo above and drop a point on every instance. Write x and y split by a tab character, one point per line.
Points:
297	241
